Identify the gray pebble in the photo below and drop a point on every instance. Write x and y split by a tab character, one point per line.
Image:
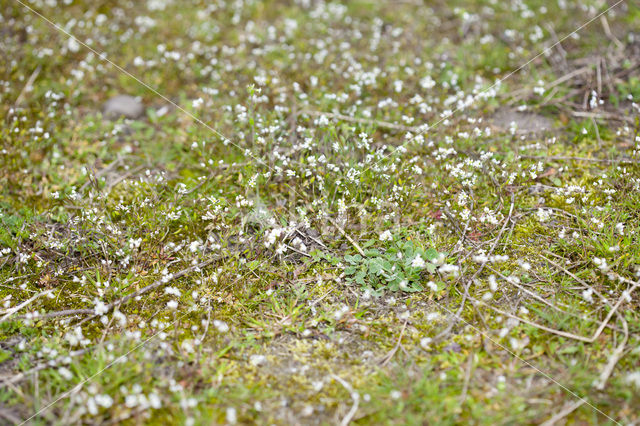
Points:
526	122
123	106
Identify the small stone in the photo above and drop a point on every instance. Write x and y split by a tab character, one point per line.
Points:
123	106
453	347
525	122
258	360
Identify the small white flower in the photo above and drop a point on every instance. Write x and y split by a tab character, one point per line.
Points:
187	346
493	284
100	307
543	214
633	378
307	410
65	373
601	263
221	326
104	400
232	416
154	400
432	316
92	407
418	262
386	236
173	291
425	342
131	401
73	45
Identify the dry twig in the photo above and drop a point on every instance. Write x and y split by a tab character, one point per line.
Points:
564	412
393	351
354	395
344	234
125	299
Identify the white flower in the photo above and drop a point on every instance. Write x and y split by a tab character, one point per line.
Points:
427	82
418	262
543	214
173	291
517	344
74	338
425	342
232	416
100	307
432	316
193	247
104	400
92	407
65	373
386	236
449	269
131	401
221	326
154	401
187	346
172	304
493	284
601	263
633	378
73	45
395	394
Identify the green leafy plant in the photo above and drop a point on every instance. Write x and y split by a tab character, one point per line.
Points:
400	267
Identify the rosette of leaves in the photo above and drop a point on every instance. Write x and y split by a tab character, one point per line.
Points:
391	269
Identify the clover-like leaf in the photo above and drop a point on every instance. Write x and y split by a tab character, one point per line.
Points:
431	254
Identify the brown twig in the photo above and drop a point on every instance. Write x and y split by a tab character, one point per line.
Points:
564	412
101	173
467	378
609	34
615	356
603	115
27	87
344	234
15	309
561	333
393	351
127	298
354	395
